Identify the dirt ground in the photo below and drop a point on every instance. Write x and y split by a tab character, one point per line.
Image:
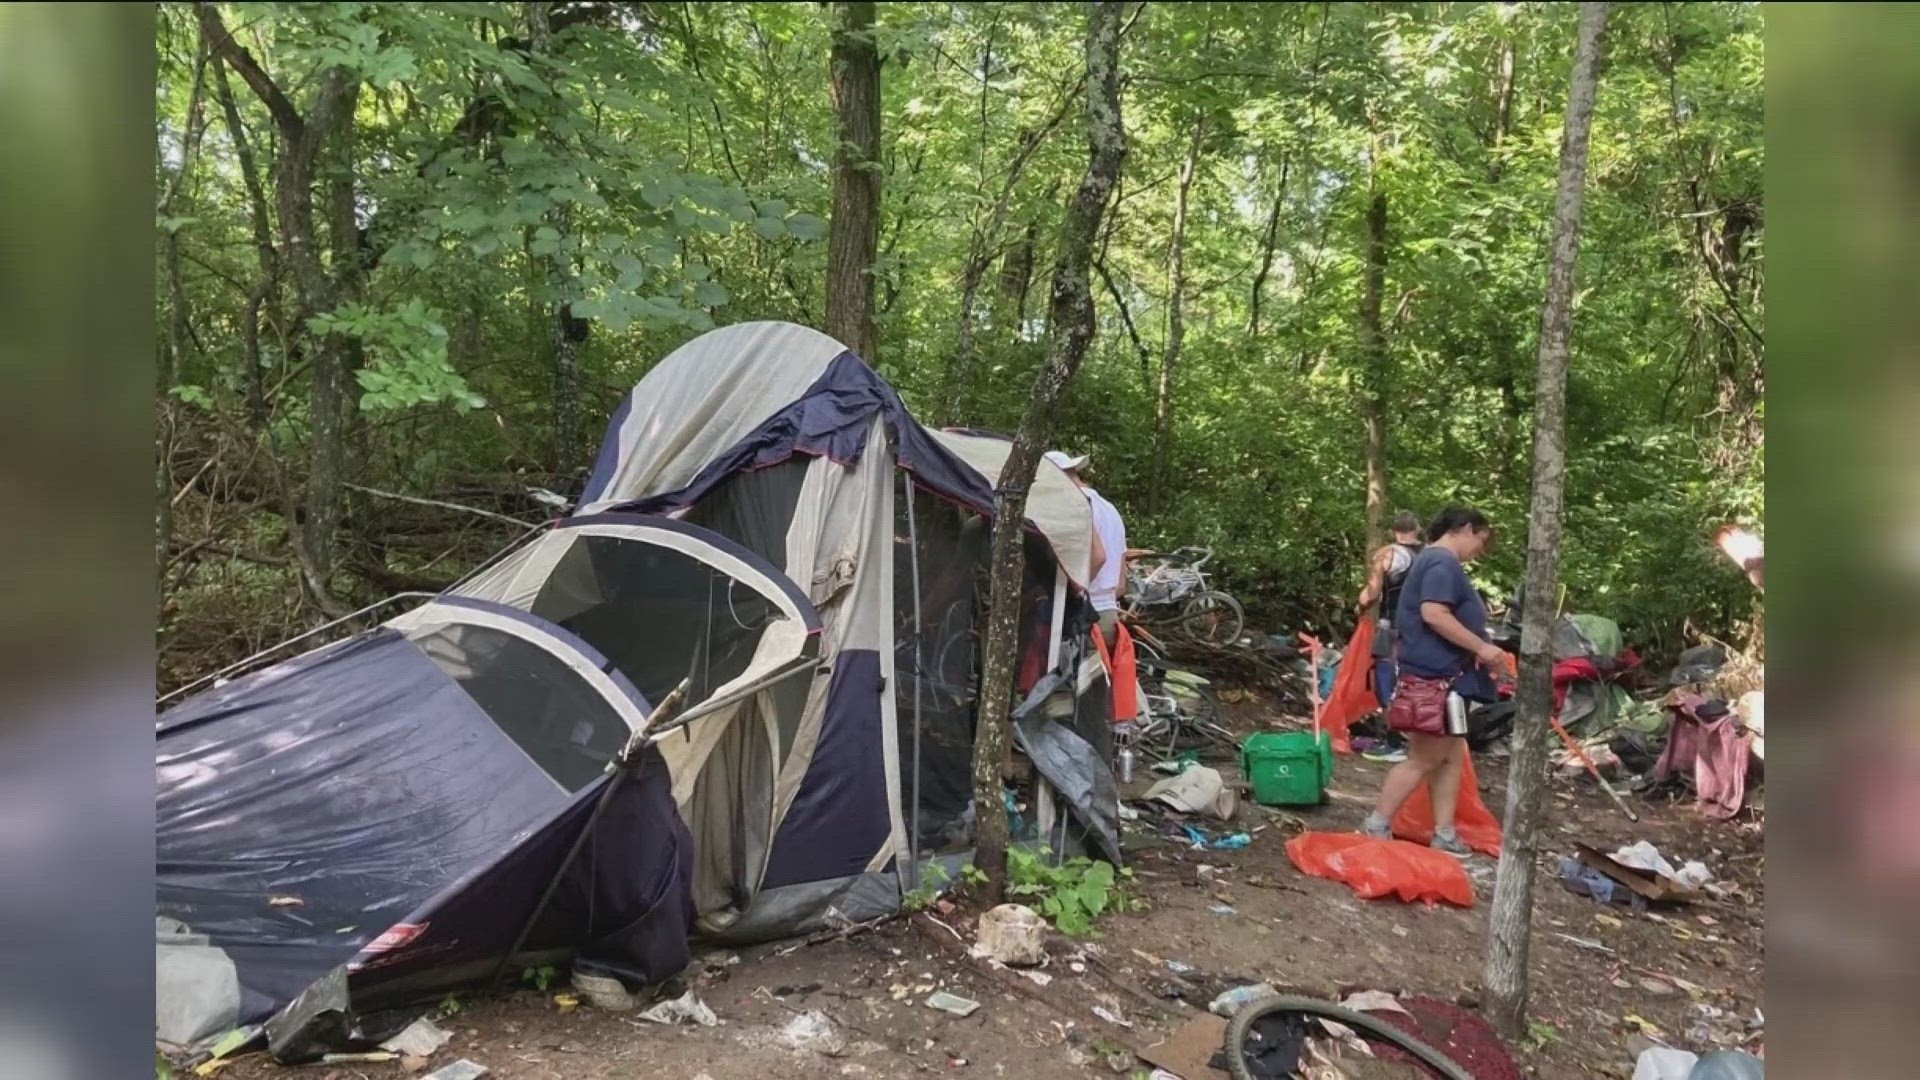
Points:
1662	975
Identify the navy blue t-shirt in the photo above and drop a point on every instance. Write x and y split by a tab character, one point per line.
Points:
1436	576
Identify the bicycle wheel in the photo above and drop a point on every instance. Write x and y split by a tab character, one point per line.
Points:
1213	617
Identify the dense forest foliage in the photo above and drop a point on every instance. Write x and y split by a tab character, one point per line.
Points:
409	255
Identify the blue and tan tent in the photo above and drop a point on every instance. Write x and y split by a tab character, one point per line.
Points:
415	807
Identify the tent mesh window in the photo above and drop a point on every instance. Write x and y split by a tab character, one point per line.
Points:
942	549
658	614
553	714
754	509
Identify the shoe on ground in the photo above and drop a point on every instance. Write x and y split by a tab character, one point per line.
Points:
1383	832
1452	845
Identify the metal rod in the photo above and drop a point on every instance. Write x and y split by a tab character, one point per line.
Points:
622	766
271	649
919	671
1573	746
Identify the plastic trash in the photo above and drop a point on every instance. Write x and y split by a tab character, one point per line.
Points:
1239	998
1013	934
814	1030
1472	822
422	1038
1376	868
459	1070
1728	1065
951	1003
684	1009
1664	1063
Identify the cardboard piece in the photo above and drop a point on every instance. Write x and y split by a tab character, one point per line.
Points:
1645	883
1187	1051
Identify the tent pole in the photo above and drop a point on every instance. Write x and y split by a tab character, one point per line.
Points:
622	766
271	649
919	675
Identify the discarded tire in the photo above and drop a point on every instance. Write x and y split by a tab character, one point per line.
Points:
1243	1021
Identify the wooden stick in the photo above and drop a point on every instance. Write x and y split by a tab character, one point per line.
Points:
1573	747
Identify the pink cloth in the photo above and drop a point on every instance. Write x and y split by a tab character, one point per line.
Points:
1714	752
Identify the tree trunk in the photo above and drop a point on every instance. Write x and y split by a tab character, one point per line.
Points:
854	236
1374	382
1071	315
1016	280
1176	321
1503	82
554	294
1510	929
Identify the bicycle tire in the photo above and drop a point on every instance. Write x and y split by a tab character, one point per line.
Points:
1242	1025
1220	614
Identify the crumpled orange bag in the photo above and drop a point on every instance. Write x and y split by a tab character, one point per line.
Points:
1376	868
1472	822
1353	695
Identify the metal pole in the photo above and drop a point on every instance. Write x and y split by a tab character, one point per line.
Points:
622	766
919	673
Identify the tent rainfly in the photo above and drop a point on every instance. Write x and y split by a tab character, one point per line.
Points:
365	826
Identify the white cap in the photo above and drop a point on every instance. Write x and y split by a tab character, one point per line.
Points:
1067	462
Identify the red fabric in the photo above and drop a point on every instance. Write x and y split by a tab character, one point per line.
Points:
1472	822
1353	696
1714	752
1123	676
1461	1034
1419	705
1374	868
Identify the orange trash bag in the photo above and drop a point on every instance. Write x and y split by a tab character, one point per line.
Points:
1123	676
1472	822
1376	868
1353	695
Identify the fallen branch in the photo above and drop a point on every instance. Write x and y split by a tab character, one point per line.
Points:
417	501
840	934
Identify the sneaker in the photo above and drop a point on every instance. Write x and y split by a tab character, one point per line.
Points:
1452	845
1392	756
1377	832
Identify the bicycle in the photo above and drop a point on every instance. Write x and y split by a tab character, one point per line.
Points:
1178	710
1172	591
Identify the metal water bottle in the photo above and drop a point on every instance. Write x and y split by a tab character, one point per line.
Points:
1126	764
1456	714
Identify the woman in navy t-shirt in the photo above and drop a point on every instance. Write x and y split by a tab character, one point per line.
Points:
1441	629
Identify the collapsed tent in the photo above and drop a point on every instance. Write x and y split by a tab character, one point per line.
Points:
386	817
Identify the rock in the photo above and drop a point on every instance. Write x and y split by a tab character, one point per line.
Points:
814	1030
1013	934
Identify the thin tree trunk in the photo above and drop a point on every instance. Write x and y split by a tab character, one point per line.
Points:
981	250
1511	918
1503	82
1176	320
1269	243
1016	280
179	332
1373	352
854	236
1072	316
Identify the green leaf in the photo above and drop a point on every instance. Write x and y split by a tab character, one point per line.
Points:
770	228
807	227
711	294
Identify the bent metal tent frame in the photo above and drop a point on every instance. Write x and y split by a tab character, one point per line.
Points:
381	818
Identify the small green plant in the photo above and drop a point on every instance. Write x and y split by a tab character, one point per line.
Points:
162	1068
1071	895
1539	1034
449	1005
923	895
973	875
540	977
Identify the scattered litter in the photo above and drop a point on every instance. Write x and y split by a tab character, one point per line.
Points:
1178	765
1119	1062
234	1040
1128	813
684	1009
1664	1063
1655	986
285	901
1644	856
1401	931
1232	1001
1728	1065
459	1070
952	1003
369	1057
1646	1026
419	1039
1373	1001
814	1030
1199	838
1038	978
1013	934
1582	880
566	1002
1161	1074
1179	968
801	990
1586	943
1077	968
1111	1017
1224	909
1197	790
